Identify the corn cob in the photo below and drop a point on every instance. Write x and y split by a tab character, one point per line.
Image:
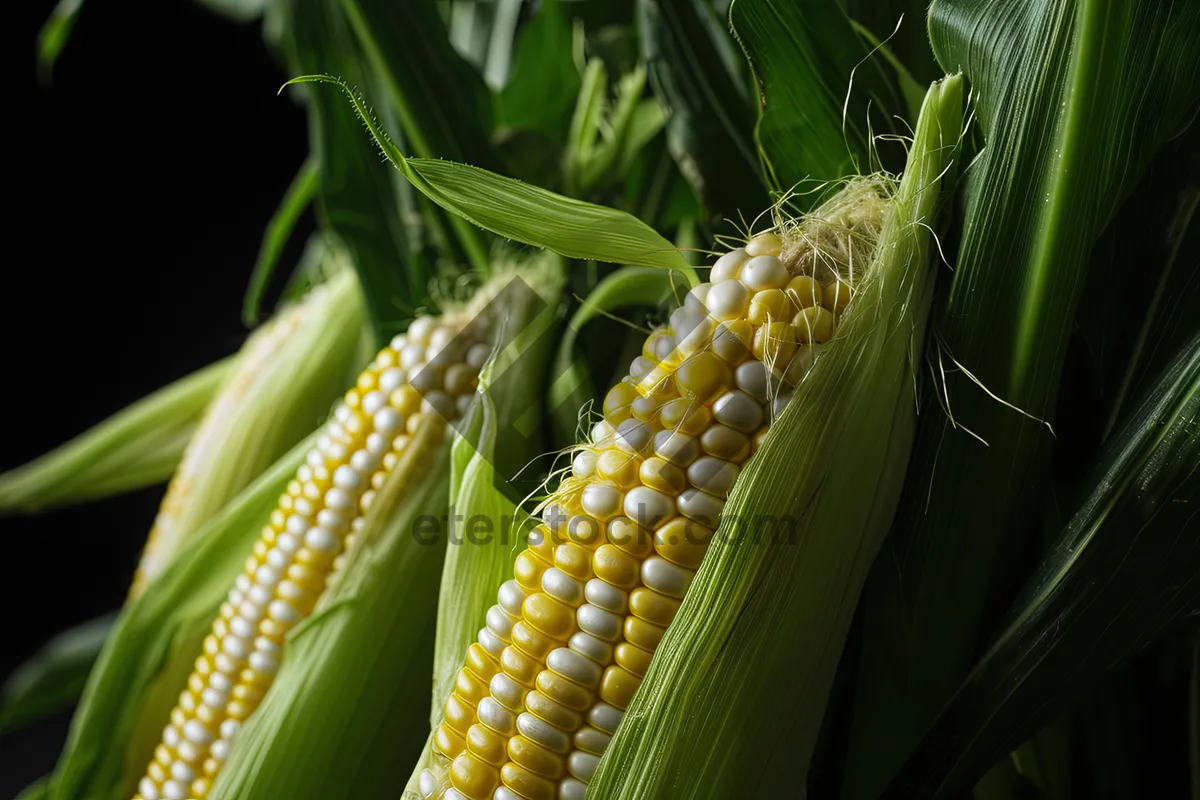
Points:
427	373
545	685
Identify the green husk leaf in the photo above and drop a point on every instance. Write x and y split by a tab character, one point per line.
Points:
136	447
518	211
53	36
823	99
297	198
776	592
1074	100
288	374
489	525
503	438
53	678
540	93
700	76
573	387
153	645
1124	570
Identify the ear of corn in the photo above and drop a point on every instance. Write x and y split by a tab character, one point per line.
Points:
361	663
565	649
286	376
154	642
380	439
139	446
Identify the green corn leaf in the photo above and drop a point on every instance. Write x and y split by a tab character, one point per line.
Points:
488	523
540	92
501	34
573	387
700	76
776	592
52	38
357	198
137	447
522	212
823	98
299	194
1074	100
153	645
54	677
1124	320
444	112
1125	569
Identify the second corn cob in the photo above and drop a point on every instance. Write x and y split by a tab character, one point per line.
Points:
422	380
572	634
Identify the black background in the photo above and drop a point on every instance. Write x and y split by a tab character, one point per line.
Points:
138	183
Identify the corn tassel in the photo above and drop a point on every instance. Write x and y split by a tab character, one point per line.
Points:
398	407
545	686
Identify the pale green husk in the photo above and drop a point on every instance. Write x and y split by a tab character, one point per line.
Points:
734	697
287	376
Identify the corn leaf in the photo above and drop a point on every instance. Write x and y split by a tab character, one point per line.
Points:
297	198
1074	100
775	594
1125	569
822	98
1127	334
444	112
522	212
540	92
153	645
55	676
700	76
356	664
136	447
357	198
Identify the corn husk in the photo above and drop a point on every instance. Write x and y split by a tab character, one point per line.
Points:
287	376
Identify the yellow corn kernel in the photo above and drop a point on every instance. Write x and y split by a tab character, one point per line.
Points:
814	325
